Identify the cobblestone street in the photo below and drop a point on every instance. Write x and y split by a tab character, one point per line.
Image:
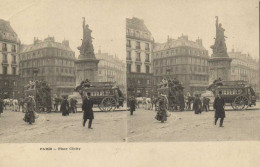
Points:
54	128
187	126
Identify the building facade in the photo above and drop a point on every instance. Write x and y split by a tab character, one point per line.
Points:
111	69
51	61
139	44
244	67
182	59
9	47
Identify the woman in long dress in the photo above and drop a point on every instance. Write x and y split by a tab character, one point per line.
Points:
197	105
29	110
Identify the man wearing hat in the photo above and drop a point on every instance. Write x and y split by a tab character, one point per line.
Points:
88	111
218	105
64	108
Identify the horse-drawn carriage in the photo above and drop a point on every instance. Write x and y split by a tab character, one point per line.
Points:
238	93
106	95
42	95
172	91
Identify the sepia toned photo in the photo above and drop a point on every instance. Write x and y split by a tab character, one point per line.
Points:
63	73
192	70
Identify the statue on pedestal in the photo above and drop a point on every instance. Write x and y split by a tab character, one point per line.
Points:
86	49
219	48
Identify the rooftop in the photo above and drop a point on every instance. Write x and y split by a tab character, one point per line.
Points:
46	43
7	32
181	41
137	24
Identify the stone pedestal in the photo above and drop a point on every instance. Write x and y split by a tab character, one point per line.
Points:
219	67
86	68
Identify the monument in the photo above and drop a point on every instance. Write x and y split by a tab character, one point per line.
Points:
86	64
219	63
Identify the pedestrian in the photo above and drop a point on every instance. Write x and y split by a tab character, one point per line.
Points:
219	105
205	104
161	113
29	110
56	103
197	105
72	105
1	106
87	111
132	105
64	108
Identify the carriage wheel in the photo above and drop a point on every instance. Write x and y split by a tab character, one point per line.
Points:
240	103
108	104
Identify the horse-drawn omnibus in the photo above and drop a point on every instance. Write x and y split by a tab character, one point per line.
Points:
106	95
42	96
238	93
173	92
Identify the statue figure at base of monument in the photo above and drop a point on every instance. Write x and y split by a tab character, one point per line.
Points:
219	48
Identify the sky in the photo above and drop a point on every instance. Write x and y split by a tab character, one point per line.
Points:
196	18
63	20
106	18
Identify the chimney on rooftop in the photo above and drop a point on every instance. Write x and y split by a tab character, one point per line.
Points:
66	43
199	41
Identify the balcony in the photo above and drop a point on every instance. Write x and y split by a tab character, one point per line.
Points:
128	46
14	50
128	58
147	60
139	60
137	47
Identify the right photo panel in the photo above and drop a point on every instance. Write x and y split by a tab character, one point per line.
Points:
192	70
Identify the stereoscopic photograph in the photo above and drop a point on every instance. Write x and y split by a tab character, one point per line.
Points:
129	71
63	76
192	70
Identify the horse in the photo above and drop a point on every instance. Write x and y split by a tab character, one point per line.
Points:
15	105
139	100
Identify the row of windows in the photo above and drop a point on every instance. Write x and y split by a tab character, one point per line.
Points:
43	62
138	68
180	68
47	52
137	45
5	58
138	56
14	70
181	60
7	83
140	81
178	51
5	48
49	70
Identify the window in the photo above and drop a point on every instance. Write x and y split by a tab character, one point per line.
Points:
4	70
138	56
147	69
128	43
147	57
13	48
138	68
147	46
138	46
128	55
148	82
128	67
14	70
4	47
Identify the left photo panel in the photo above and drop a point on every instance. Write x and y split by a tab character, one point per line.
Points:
63	71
